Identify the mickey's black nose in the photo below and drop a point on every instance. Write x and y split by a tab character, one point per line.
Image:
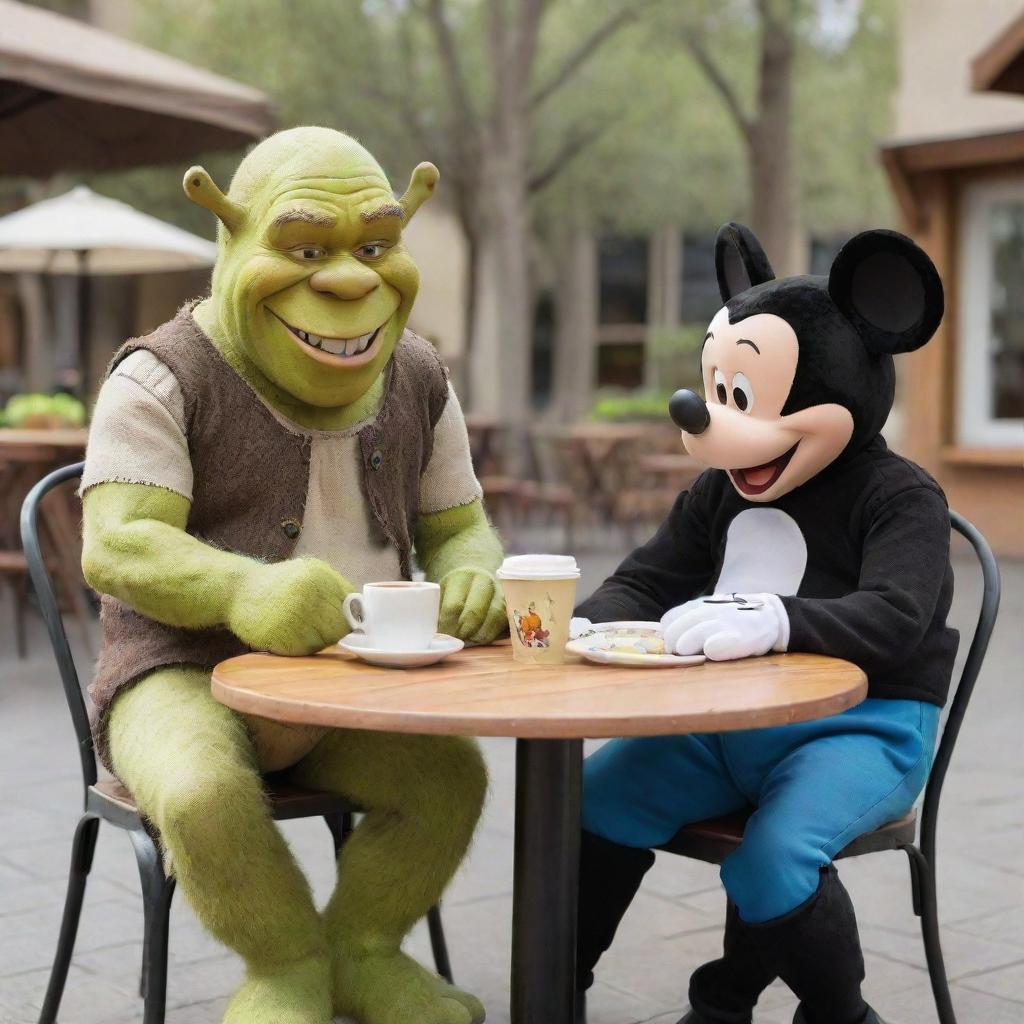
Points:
689	412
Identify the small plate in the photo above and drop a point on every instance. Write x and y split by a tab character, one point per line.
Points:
440	647
634	644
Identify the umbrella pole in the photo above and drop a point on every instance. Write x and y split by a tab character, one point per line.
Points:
84	310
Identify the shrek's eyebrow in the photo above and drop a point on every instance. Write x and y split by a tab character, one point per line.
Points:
387	210
302	216
747	341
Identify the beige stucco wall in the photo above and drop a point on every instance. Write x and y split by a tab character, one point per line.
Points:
939	38
437	244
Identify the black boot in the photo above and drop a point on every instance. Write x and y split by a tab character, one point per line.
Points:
610	875
724	991
815	950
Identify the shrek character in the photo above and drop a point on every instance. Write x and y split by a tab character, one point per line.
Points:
250	463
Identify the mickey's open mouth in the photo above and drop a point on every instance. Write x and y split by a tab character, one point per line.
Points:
757	479
335	351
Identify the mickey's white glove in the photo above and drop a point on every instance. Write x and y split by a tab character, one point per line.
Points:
579	626
727	626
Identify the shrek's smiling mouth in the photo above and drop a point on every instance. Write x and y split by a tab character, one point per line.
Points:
350	351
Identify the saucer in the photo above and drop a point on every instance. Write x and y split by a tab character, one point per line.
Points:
362	647
632	644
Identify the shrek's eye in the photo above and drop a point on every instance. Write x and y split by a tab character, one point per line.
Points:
742	393
371	251
720	389
309	253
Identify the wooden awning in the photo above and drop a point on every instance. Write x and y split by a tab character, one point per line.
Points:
73	97
1000	66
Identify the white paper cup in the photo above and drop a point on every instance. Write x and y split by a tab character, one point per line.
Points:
399	616
540	593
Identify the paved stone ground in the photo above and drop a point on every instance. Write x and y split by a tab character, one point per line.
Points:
674	925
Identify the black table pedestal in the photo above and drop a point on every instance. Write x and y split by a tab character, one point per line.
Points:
547	852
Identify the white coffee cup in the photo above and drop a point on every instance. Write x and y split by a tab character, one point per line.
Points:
399	616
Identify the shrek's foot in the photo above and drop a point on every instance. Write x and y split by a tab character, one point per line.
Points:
394	989
299	993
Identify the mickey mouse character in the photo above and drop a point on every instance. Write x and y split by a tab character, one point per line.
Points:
807	534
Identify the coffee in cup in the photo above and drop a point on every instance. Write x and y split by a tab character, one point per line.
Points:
399	616
540	592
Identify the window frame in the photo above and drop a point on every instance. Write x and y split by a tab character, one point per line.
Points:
975	425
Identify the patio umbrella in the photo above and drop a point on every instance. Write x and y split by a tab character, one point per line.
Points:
83	233
73	97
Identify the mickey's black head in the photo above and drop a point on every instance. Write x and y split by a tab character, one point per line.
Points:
798	372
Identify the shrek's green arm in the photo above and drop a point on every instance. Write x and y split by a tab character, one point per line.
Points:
459	549
135	548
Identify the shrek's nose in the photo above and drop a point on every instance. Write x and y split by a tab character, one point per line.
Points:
347	280
689	412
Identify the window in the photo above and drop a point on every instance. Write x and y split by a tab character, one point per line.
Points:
990	377
622	266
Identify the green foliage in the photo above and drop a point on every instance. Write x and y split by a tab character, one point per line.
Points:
629	406
657	141
41	409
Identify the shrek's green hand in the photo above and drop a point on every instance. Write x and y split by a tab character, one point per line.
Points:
472	605
292	607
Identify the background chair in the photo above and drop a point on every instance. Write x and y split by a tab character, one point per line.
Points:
107	800
713	840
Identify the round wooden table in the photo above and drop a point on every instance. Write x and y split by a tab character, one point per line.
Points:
482	692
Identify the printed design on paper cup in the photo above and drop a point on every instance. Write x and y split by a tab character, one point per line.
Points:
530	625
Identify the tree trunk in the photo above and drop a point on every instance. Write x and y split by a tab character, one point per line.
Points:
774	207
575	369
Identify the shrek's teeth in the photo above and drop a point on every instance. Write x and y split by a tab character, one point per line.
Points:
335	346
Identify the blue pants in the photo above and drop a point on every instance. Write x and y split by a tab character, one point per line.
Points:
816	786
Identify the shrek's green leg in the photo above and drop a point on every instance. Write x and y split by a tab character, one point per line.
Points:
192	769
423	796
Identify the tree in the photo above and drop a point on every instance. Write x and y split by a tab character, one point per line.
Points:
466	84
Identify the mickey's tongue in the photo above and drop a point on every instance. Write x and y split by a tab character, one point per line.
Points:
761	475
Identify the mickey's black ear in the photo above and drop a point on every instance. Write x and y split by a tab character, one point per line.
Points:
740	262
888	289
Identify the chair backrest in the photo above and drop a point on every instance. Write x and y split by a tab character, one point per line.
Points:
50	610
968	677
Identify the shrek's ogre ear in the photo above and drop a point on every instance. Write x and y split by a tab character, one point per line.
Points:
740	262
421	187
888	289
203	191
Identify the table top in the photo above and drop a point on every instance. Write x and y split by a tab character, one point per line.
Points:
483	692
61	437
670	462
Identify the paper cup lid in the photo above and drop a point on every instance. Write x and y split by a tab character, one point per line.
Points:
539	567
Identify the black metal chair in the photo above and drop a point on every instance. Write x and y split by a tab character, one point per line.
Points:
713	840
108	800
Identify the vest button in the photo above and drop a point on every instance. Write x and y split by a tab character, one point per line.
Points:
292	528
376	460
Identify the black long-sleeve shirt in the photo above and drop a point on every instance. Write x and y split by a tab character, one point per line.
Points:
877	583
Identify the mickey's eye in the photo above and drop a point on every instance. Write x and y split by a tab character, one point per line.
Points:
720	389
372	250
742	393
309	253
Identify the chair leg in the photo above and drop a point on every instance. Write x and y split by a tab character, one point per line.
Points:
341	828
926	907
82	850
439	945
157	893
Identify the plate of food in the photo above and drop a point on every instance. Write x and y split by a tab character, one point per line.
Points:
635	644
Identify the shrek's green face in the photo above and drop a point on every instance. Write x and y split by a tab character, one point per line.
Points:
313	281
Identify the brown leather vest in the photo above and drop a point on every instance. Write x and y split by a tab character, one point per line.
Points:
250	476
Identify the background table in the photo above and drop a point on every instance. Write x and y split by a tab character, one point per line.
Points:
482	692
